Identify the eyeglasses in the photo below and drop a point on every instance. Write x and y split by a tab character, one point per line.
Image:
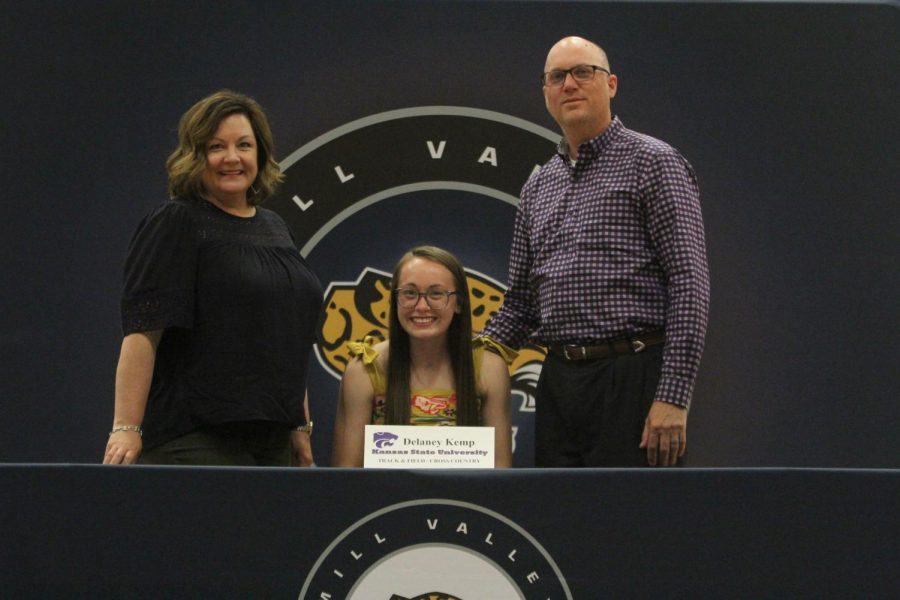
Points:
436	298
580	73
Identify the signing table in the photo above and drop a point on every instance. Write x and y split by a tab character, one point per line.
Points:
154	532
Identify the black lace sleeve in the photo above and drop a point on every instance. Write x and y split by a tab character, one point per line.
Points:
160	271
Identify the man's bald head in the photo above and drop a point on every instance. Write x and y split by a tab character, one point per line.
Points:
573	42
581	107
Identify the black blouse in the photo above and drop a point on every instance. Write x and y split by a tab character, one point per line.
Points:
239	306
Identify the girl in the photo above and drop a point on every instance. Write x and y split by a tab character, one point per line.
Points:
429	372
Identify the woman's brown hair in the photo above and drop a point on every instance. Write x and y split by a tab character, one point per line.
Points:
199	124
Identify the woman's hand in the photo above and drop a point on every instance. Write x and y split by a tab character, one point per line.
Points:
301	449
123	448
133	375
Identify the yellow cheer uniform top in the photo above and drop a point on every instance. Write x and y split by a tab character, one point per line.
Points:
427	406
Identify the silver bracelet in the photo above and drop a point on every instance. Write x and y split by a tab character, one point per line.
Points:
135	428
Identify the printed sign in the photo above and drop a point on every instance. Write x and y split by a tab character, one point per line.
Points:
411	447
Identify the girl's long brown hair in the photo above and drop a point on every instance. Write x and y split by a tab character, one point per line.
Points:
459	342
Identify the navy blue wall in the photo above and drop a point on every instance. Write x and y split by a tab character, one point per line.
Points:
787	112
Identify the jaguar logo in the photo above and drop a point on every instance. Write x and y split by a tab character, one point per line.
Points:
354	310
359	196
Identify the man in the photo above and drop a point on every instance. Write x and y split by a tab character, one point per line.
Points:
608	270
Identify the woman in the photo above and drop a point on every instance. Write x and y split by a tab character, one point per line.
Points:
218	308
429	372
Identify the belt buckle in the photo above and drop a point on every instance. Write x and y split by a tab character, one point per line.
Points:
583	352
637	346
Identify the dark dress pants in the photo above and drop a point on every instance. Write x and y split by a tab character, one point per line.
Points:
240	444
591	413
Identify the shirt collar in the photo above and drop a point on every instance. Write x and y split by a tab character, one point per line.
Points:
594	147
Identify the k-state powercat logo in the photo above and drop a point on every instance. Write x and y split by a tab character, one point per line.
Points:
384	439
435	549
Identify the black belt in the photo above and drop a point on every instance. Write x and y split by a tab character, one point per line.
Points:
627	346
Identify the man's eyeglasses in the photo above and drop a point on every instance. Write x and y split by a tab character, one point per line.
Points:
436	298
580	73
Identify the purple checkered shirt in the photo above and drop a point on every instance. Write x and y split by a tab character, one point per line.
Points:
610	248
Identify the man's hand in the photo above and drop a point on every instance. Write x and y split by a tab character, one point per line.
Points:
665	434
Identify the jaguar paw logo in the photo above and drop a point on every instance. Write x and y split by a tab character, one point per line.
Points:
357	309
